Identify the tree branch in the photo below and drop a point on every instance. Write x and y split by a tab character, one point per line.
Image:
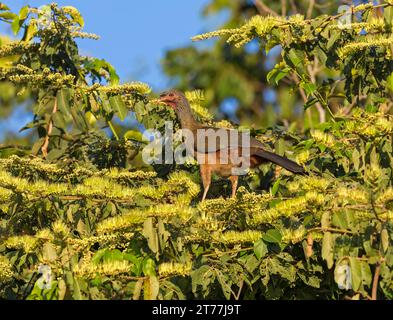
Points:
283	8
375	281
263	8
310	9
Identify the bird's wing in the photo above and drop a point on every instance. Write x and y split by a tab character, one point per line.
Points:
209	139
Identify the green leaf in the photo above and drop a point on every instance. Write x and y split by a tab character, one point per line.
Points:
8	15
59	121
343	219
119	106
151	288
277	74
388	16
63	98
335	35
275	187
150	233
140	111
149	267
97	258
356	273
105	102
76	293
328	249
360	272
75	15
37	146
389	82
134	135
385	239
15	25
3	7
272	236
295	59
113	255
30	31
356	159
325	219
260	249
310	102
23	13
308	87
49	251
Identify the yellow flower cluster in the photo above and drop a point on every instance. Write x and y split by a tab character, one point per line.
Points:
121	222
25	242
303	156
214	207
285	208
256	26
309	184
223	124
293	235
87	242
37	165
16	48
174	269
60	229
45	78
365	42
385	197
117	174
208	223
112	268
84	35
324	138
352	194
233	237
369	124
127	88
6	272
5	195
138	216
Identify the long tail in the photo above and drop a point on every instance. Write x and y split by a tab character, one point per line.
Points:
281	161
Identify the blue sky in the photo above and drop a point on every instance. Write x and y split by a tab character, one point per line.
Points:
135	34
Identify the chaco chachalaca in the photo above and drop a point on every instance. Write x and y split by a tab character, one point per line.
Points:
210	155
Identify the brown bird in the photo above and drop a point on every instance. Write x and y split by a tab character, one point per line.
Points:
221	151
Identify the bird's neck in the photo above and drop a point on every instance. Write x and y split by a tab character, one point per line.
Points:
187	120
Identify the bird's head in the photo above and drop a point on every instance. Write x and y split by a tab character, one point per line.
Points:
173	98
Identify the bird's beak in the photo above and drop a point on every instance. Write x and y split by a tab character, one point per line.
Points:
167	100
163	99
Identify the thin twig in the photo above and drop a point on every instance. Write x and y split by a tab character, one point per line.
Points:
283	8
263	8
345	231
237	297
13	146
304	97
313	70
310	9
375	281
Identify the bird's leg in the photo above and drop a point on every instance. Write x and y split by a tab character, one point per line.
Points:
206	179
234	181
